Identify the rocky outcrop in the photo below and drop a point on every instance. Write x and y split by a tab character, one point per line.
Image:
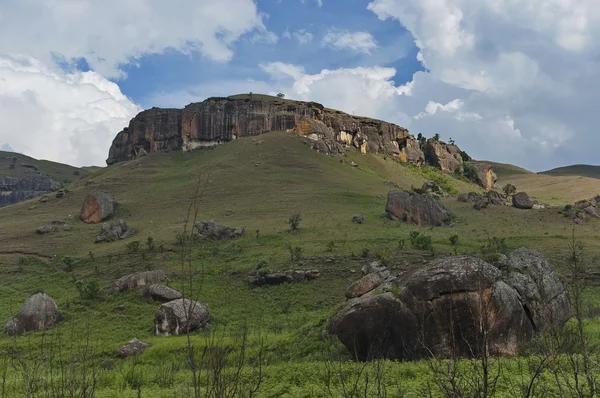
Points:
17	189
38	312
446	157
263	277
417	208
214	230
521	200
97	207
439	309
180	317
482	174
219	120
135	280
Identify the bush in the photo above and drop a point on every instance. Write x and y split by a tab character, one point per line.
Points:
330	246
470	173
69	263
88	290
493	248
454	242
509	189
134	246
261	263
150	243
294	222
365	252
421	241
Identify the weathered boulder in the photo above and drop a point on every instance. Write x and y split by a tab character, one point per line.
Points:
364	285
214	230
592	211
521	200
38	312
45	229
97	207
482	204
494	198
135	280
358	219
110	232
439	309
418	208
444	156
483	174
180	317
134	347
160	293
262	277
433	188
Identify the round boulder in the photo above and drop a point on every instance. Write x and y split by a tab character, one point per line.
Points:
38	312
421	209
521	200
97	207
160	293
181	316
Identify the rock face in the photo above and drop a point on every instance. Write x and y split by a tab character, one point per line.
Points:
180	316
261	277
38	312
444	156
214	230
14	190
161	293
97	207
439	309
134	347
135	280
421	209
219	120
522	201
484	174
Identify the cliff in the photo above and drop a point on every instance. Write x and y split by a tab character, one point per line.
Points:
219	120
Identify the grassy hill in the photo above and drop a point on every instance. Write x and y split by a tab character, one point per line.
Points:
583	170
59	172
258	183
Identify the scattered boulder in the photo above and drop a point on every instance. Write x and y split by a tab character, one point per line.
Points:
444	156
43	198
61	193
437	309
421	209
262	277
214	230
592	211
38	312
483	174
433	188
358	219
364	285
111	232
180	317
161	293
97	207
133	348
521	200
45	229
471	197
392	184
494	198
135	280
375	267
67	227
482	204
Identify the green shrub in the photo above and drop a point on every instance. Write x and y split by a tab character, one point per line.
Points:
134	246
88	290
330	246
150	243
69	263
454	242
493	248
294	222
365	252
261	263
421	241
509	189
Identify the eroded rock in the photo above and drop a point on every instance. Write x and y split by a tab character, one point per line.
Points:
97	207
38	312
214	230
139	279
418	208
180	317
133	348
161	293
521	200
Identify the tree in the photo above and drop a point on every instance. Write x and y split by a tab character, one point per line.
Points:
281	95
509	189
436	137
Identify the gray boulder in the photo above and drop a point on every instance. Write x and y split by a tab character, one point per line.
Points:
161	293
135	280
358	219
482	204
262	277
433	188
439	309
38	312
214	230
134	347
46	229
111	232
180	317
364	285
421	209
97	207
521	200
494	198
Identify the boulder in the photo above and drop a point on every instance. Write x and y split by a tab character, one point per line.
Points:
421	209
364	285
482	204
109	232
494	198
38	312
358	219
43	198
262	277
180	317
437	310
483	174
444	156
521	200
97	207
433	188
463	197
67	227
135	280
161	293
375	267
214	230
46	229
592	211
134	347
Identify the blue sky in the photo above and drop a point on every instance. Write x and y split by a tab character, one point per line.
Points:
513	81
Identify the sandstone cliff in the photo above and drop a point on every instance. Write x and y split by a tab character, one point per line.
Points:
219	120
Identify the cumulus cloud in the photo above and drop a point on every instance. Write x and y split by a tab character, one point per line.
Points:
362	42
109	33
67	117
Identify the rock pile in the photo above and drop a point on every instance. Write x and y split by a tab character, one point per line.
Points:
263	277
111	232
214	230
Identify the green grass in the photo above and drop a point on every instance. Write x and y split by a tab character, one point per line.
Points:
260	187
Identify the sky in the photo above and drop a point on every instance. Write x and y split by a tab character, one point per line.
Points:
514	81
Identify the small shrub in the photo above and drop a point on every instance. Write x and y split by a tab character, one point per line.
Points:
150	243
421	241
91	256
401	244
383	258
88	290
69	263
365	252
330	246
454	242
294	222
509	189
493	248
134	246
262	263
297	253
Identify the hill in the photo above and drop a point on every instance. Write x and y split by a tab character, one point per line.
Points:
583	170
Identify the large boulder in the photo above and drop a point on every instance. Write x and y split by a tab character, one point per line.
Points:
38	312
214	230
110	232
439	309
521	200
134	347
97	207
445	156
135	280
483	174
263	277
418	208
180	317
160	293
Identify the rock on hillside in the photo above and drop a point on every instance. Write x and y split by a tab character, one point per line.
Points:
446	157
219	120
17	189
438	309
97	207
420	209
483	174
180	316
38	312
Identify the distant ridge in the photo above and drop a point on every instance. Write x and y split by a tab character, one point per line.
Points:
583	170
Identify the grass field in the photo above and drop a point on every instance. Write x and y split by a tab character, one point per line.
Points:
258	183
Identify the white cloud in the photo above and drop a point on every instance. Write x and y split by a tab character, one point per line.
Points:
303	37
65	117
109	33
6	148
362	42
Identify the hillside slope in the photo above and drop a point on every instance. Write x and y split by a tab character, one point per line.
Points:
583	170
